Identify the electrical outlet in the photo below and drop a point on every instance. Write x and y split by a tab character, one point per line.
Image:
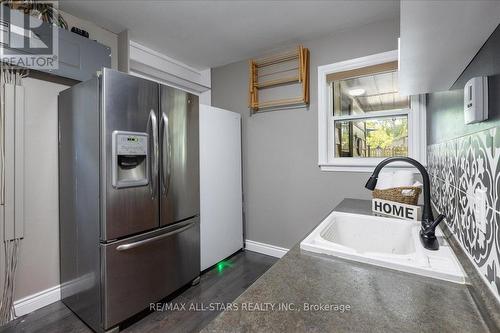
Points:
480	209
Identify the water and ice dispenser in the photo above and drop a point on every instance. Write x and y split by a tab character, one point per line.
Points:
130	159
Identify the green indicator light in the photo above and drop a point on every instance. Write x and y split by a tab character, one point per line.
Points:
222	265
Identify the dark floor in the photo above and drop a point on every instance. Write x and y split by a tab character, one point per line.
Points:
222	284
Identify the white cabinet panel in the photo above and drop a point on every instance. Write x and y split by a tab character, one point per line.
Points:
220	184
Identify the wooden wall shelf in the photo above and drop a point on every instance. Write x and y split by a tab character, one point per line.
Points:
282	69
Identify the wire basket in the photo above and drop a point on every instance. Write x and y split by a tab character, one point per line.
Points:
409	197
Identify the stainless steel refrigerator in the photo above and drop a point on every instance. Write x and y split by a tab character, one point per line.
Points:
129	195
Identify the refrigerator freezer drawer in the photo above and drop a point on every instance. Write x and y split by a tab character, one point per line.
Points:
144	269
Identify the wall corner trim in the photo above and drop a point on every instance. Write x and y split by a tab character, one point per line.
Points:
267	249
38	300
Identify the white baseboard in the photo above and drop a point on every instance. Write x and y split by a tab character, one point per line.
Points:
268	249
36	301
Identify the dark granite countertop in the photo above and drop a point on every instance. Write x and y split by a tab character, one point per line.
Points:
380	300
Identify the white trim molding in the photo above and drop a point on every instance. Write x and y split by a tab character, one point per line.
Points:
268	249
36	301
149	63
416	116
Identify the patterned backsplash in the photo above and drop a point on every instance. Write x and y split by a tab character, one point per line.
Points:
457	168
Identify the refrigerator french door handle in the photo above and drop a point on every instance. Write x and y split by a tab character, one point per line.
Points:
133	245
165	135
153	155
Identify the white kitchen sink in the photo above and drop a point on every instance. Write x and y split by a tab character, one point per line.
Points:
386	242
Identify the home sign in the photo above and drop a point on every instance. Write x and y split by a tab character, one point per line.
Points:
396	209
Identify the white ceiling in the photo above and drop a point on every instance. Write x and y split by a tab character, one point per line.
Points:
213	33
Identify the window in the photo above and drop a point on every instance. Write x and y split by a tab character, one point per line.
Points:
363	118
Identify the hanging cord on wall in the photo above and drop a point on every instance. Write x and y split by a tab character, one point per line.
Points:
11	250
8	75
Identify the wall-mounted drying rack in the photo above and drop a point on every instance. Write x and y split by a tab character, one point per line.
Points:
286	72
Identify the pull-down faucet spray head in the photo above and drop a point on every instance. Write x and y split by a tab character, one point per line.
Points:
372	182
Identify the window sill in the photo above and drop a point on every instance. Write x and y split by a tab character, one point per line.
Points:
366	168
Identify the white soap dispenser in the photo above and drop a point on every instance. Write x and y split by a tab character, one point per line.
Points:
476	100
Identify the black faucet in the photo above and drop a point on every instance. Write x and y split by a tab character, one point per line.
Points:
427	231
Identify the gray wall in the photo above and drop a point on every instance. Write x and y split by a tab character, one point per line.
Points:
285	192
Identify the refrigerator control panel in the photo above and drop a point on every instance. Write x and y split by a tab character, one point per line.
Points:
132	144
130	159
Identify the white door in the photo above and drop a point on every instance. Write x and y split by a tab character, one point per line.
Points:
220	185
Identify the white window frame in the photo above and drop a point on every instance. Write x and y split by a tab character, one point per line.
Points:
327	161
